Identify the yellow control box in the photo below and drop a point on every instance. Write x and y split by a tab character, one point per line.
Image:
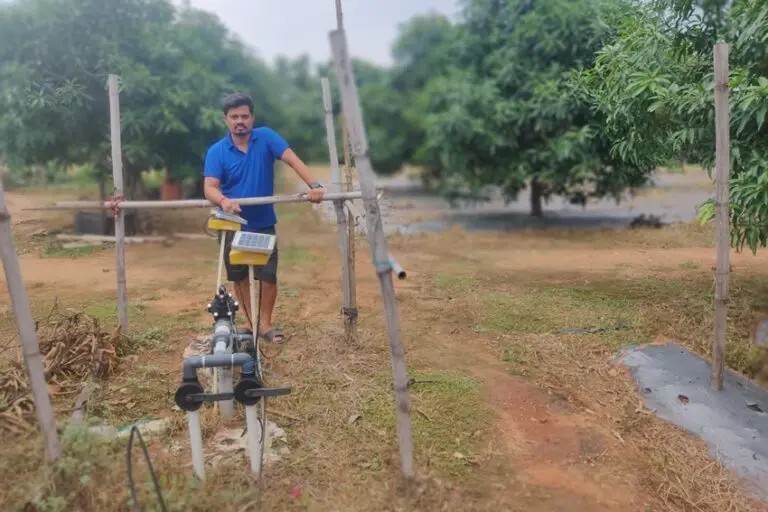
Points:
215	224
256	259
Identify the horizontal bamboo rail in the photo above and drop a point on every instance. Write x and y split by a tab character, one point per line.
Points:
187	203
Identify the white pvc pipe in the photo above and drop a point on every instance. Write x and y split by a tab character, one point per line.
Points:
217	371
252	288
255	447
221	263
223	382
196	443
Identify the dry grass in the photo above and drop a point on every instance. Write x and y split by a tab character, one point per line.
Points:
675	466
535	342
462	315
74	349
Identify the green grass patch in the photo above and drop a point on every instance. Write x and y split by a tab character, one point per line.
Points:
448	282
627	312
447	412
293	255
148	339
56	251
520	357
551	309
106	310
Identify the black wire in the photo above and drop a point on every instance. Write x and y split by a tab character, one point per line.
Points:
129	465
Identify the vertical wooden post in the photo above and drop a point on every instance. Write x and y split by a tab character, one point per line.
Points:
350	314
723	242
354	118
350	225
33	360
117	177
330	132
339	16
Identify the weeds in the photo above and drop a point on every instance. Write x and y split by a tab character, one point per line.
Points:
51	250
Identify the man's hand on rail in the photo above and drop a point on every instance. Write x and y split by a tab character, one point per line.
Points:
230	206
316	195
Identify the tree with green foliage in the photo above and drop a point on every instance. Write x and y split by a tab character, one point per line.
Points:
175	66
383	108
654	85
506	114
424	51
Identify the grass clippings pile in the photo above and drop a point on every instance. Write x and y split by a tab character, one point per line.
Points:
16	405
74	348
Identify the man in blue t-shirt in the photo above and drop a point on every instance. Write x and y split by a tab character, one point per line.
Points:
239	165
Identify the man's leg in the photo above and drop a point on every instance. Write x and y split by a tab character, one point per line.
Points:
267	275
238	276
243	294
268	299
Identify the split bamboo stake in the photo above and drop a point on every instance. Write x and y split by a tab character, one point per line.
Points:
350	226
722	238
354	117
349	313
33	360
117	178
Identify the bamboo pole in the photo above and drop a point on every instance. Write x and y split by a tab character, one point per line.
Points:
722	237
188	203
33	360
350	314
117	178
133	239
354	117
350	223
330	133
339	16
112	239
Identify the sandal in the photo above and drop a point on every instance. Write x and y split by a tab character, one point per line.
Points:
274	336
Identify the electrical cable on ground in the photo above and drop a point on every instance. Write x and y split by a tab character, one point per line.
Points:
129	465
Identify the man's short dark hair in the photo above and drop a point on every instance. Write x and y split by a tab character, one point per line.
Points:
236	100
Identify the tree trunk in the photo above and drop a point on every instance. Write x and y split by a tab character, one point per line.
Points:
536	193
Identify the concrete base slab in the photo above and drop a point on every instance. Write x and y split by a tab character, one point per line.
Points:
733	422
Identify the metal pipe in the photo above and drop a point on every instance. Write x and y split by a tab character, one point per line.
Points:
396	268
192	363
190	203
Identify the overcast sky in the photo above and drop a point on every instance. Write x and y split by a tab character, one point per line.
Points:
294	27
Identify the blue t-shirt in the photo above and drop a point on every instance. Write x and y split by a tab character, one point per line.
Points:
250	174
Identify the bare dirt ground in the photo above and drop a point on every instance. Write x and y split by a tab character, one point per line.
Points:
511	410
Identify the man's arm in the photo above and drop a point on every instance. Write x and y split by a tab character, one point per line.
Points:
213	172
316	192
212	192
290	158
